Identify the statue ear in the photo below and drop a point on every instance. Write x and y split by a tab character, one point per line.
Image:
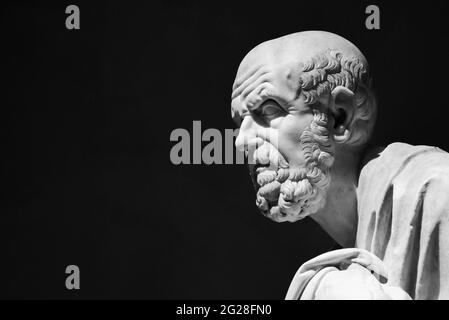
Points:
342	107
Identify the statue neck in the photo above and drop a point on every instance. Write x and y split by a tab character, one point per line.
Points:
339	216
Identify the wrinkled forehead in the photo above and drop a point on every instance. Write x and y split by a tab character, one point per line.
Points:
284	58
273	52
269	57
269	69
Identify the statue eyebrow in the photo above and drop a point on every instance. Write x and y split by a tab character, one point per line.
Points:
238	117
245	80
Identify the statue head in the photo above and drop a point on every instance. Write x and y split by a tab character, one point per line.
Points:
301	101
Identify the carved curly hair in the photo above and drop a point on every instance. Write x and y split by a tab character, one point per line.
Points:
330	69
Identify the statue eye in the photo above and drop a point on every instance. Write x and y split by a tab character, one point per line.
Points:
271	109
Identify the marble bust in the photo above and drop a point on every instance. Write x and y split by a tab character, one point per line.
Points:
305	107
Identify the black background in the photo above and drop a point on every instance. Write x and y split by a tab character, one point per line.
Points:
86	120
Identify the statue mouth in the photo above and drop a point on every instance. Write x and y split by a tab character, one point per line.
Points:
255	171
264	166
284	192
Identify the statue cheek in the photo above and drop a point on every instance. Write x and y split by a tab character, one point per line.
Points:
289	134
293	126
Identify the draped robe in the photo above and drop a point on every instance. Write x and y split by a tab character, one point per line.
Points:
403	219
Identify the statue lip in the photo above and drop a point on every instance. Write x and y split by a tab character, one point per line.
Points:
254	172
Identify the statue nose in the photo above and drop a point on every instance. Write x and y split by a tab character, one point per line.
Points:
240	142
244	134
247	137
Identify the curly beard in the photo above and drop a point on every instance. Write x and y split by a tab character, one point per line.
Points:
287	193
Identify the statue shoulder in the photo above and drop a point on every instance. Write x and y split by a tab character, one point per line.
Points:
388	162
409	172
404	151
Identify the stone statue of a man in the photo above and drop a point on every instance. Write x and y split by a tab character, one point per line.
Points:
306	109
